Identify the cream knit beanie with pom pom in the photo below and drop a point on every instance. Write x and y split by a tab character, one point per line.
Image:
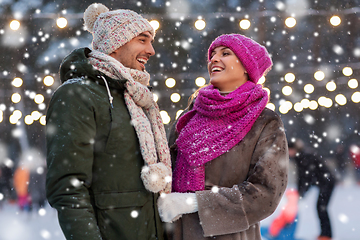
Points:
112	29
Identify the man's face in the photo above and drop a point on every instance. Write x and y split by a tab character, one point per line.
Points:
135	53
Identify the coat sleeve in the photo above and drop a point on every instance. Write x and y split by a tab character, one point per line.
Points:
231	210
70	134
173	135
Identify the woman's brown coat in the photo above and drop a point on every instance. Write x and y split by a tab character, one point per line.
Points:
242	186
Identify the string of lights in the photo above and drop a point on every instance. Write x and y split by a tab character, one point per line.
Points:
62	18
334	18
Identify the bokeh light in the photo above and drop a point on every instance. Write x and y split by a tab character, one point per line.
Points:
347	71
13	119
42	106
244	24
155	24
313	105
48	81
309	119
15	97
36	115
319	75
14	25
285	107
271	106
340	99
355	97
335	20
17	114
328	103
353	83
305	103
155	97
287	90
165	117
309	88
17	82
170	82
290	22
178	113
175	97
331	86
298	107
289	77
39	98
200	24
28	120
325	102
322	100
262	80
61	22
42	120
200	81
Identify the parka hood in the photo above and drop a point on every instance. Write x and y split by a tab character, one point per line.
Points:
77	65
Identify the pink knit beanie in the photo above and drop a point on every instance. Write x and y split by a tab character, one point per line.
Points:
252	55
112	29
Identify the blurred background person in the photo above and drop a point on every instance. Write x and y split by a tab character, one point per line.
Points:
29	180
21	181
284	225
354	151
37	167
6	170
342	162
313	171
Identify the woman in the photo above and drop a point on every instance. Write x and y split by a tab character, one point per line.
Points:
231	152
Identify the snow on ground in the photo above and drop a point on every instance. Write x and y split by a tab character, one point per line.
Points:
17	225
344	211
344	214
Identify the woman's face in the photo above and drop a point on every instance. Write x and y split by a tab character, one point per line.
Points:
225	69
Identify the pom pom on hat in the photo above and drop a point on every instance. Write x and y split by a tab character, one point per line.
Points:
251	54
113	29
91	14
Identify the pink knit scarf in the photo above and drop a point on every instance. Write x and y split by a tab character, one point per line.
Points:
215	125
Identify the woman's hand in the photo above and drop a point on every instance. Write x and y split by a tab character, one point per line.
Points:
173	205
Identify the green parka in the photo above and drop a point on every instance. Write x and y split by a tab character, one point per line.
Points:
94	160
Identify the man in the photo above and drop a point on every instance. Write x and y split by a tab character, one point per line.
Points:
107	153
312	171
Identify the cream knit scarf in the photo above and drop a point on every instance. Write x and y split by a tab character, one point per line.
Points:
145	117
